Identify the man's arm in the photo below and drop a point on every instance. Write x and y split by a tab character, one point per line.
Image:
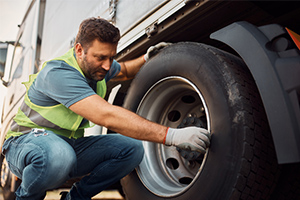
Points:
129	69
123	121
118	119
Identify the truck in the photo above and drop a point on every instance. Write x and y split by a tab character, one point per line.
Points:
233	67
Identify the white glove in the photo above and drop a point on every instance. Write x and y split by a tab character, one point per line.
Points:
189	138
153	50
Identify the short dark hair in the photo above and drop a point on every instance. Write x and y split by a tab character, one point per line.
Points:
97	28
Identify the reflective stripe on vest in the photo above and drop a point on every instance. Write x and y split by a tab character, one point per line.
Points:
57	118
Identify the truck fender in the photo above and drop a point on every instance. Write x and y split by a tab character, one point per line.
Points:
275	67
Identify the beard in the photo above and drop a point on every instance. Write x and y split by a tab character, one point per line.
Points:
93	72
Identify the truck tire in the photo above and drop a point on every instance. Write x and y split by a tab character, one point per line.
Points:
288	186
6	181
191	84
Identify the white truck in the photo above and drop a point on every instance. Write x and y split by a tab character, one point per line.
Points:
233	68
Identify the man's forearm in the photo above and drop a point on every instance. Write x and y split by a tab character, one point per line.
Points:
118	119
132	125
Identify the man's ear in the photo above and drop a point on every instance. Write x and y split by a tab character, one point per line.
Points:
79	51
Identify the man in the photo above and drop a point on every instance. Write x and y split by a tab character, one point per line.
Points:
46	146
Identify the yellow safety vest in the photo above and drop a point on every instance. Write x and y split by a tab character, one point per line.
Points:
58	118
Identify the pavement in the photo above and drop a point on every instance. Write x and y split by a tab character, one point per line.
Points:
105	195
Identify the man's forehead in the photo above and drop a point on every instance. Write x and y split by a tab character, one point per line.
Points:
101	48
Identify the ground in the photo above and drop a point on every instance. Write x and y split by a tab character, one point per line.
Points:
105	195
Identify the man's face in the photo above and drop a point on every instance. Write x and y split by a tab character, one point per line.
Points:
96	60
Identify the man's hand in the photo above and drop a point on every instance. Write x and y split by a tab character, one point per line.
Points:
153	50
189	139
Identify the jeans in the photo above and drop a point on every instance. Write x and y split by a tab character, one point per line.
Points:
45	160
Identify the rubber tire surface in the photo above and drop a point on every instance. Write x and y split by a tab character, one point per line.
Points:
241	162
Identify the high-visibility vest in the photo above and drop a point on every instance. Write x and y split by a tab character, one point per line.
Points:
58	118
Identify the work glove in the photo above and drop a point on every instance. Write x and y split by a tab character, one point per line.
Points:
189	139
153	50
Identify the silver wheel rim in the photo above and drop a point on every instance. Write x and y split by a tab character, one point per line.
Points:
172	101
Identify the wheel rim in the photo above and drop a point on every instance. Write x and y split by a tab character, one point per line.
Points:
4	173
174	102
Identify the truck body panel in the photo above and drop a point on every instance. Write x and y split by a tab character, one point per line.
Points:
23	64
59	37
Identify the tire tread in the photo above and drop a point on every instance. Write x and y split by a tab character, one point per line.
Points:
259	170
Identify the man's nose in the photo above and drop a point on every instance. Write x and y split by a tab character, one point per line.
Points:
106	64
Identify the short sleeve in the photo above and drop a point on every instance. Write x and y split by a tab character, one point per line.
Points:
59	83
114	70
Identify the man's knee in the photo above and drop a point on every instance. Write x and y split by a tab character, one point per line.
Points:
136	151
